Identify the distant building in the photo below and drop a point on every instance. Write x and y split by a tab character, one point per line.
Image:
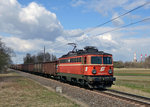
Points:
141	58
134	59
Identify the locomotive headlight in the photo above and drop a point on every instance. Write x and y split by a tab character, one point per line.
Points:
110	71
94	71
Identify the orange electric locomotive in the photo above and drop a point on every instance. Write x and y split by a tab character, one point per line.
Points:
87	67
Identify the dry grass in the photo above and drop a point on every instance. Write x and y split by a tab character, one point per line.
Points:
131	72
21	92
130	90
132	78
9	74
131	69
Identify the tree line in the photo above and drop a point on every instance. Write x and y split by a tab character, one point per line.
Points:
40	57
5	55
144	64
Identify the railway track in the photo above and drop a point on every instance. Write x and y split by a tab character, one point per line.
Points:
126	96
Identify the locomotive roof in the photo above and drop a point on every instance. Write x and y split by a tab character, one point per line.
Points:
86	51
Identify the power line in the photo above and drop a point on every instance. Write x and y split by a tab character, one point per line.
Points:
124	26
117	17
133	23
123	14
111	21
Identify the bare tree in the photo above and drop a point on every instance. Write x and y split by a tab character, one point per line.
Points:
28	59
40	57
5	55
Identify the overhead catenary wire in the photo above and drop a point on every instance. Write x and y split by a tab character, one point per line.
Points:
118	28
115	29
138	7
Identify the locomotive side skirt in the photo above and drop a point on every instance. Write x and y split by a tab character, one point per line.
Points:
88	78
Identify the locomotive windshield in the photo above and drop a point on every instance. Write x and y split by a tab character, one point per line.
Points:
107	60
96	60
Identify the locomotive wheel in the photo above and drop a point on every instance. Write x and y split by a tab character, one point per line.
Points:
73	81
90	86
81	83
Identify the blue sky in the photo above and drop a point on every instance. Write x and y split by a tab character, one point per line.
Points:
27	25
69	16
75	15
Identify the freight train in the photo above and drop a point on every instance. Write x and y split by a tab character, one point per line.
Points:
87	67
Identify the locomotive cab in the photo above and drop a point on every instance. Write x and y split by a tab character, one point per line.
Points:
99	70
99	65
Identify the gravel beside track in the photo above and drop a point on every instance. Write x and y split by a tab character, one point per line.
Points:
88	97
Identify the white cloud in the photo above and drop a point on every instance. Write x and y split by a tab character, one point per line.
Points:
134	4
117	21
33	26
106	37
75	32
129	46
121	48
101	6
21	45
13	2
18	44
61	39
82	37
105	7
28	22
76	3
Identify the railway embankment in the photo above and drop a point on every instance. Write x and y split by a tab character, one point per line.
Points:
84	96
19	91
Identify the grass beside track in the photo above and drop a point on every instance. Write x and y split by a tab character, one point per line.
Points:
131	72
17	91
135	81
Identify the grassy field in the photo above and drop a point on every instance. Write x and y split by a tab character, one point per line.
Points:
135	81
17	91
132	72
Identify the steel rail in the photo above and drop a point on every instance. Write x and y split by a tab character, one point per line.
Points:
127	96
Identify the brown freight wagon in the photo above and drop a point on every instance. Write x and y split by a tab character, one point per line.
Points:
25	67
19	67
38	67
30	67
50	68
